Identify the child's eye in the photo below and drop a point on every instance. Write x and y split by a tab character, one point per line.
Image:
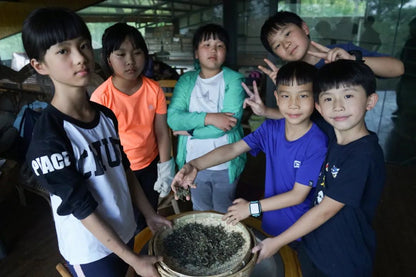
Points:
288	34
303	96
138	52
277	46
284	96
348	96
62	51
327	99
86	46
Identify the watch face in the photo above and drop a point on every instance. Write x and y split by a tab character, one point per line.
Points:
254	208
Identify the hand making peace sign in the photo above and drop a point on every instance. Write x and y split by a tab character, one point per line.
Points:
254	100
329	55
272	72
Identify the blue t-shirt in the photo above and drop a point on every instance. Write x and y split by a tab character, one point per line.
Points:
287	162
353	174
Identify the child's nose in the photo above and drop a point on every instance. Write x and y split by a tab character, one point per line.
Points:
286	43
80	57
130	59
338	105
294	102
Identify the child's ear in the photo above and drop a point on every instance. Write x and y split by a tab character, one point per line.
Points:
371	101
277	97
39	67
317	107
305	28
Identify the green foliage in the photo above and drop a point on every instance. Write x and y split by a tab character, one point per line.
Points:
9	45
326	8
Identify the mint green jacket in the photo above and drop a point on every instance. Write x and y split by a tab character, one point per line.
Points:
179	117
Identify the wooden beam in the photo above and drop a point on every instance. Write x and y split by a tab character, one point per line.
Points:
12	14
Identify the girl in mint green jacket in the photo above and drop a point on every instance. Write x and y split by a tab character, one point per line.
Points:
205	112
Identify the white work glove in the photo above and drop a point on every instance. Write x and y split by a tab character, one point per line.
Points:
165	174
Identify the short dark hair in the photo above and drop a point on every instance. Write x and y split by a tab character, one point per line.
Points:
344	73
274	23
115	35
45	27
208	31
298	71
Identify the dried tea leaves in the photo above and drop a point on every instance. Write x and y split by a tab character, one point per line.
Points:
182	193
195	245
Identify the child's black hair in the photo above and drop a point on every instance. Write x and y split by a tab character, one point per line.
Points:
299	72
344	73
208	31
115	35
45	27
274	23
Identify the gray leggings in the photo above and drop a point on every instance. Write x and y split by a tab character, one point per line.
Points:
214	191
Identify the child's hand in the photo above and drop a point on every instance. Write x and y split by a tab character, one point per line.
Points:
330	55
254	100
223	121
184	178
156	222
238	211
272	72
145	265
266	248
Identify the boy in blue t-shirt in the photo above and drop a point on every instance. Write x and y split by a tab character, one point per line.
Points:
338	239
295	149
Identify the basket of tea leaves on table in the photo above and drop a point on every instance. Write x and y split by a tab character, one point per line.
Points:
202	244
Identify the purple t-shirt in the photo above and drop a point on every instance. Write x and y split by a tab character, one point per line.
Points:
287	162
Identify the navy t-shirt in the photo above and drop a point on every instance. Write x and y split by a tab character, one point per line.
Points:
353	174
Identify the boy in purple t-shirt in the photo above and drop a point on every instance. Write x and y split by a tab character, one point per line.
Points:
295	149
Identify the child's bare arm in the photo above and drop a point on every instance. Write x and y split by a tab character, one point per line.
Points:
311	220
143	265
221	155
186	176
240	210
295	196
162	137
166	164
153	220
388	67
